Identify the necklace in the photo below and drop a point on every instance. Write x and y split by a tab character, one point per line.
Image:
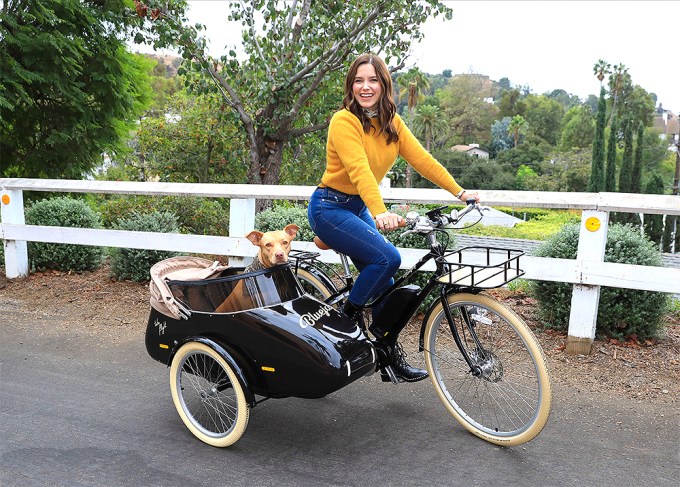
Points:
370	113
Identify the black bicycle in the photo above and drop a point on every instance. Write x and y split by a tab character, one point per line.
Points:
485	363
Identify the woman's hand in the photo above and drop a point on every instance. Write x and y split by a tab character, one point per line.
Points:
469	195
387	221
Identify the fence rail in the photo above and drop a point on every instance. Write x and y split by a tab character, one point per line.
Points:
587	272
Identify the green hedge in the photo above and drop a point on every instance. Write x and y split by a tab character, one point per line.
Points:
199	216
63	212
622	312
134	264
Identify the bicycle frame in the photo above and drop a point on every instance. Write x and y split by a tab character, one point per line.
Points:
437	253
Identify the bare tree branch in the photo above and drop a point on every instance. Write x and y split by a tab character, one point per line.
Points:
306	130
351	35
301	21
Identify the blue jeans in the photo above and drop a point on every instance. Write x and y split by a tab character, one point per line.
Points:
343	222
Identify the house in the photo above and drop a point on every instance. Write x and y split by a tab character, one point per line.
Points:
669	127
472	150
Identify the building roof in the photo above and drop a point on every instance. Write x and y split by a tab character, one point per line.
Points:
467	148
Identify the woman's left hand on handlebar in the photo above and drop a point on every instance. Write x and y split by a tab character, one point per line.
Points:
388	221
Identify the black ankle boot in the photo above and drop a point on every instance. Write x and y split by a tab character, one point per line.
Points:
400	368
354	313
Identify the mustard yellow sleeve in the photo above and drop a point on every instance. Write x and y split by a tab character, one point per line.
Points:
346	141
422	161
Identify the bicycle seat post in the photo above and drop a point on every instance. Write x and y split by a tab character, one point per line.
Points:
345	266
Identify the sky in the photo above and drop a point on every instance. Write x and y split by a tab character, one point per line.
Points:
546	45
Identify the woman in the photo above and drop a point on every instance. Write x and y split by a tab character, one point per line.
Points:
346	210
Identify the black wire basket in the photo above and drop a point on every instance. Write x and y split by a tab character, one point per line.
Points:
482	267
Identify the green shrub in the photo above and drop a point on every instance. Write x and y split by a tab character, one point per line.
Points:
278	217
134	264
622	312
199	216
63	212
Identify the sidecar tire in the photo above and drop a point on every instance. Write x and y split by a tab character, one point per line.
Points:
208	395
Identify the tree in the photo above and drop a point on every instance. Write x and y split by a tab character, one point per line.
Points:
654	223
578	129
517	127
288	80
466	103
544	116
428	124
501	137
411	85
525	177
70	90
626	171
619	86
610	169
636	174
563	171
597	172
511	103
601	69
193	142
567	100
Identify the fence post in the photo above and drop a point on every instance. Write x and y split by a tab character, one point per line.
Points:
585	299
241	221
16	252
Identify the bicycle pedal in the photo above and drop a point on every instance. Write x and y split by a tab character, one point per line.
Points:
388	375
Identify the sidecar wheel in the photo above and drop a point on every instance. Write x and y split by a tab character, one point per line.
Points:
208	396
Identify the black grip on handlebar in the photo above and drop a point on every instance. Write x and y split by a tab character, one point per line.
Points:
470	201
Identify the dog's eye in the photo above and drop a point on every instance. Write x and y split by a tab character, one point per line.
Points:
285	242
269	245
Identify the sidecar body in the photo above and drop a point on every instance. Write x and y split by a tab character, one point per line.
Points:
281	341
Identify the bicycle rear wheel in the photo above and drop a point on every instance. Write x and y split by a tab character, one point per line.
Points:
315	283
508	401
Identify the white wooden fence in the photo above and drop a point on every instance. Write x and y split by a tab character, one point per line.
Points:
587	272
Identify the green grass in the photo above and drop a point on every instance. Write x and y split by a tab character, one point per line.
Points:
541	227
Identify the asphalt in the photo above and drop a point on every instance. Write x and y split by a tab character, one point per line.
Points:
82	404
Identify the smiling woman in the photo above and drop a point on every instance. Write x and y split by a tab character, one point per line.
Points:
365	137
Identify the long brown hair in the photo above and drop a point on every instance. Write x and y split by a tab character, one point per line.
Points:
386	106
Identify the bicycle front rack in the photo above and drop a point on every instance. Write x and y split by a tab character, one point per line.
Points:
482	267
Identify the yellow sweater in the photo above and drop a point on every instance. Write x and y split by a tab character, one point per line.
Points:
356	161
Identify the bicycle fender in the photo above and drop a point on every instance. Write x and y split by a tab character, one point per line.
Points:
222	352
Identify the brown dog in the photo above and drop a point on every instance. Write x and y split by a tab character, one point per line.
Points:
274	246
274	249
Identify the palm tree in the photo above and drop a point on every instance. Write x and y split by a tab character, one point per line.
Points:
429	123
601	69
518	126
412	84
619	84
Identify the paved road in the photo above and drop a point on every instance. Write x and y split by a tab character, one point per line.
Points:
82	406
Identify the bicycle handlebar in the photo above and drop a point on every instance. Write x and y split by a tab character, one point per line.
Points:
436	219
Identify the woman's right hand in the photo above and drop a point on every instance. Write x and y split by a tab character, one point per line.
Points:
388	220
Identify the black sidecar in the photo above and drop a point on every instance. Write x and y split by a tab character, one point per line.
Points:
227	334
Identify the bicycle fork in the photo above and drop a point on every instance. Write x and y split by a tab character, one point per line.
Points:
475	369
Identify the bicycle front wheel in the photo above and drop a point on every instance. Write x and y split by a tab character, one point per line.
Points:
506	399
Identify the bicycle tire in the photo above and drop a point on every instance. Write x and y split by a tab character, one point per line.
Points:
509	402
207	395
315	283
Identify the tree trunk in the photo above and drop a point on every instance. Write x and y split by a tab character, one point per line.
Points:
267	167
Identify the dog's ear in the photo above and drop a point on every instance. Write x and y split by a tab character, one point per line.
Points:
255	237
291	230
